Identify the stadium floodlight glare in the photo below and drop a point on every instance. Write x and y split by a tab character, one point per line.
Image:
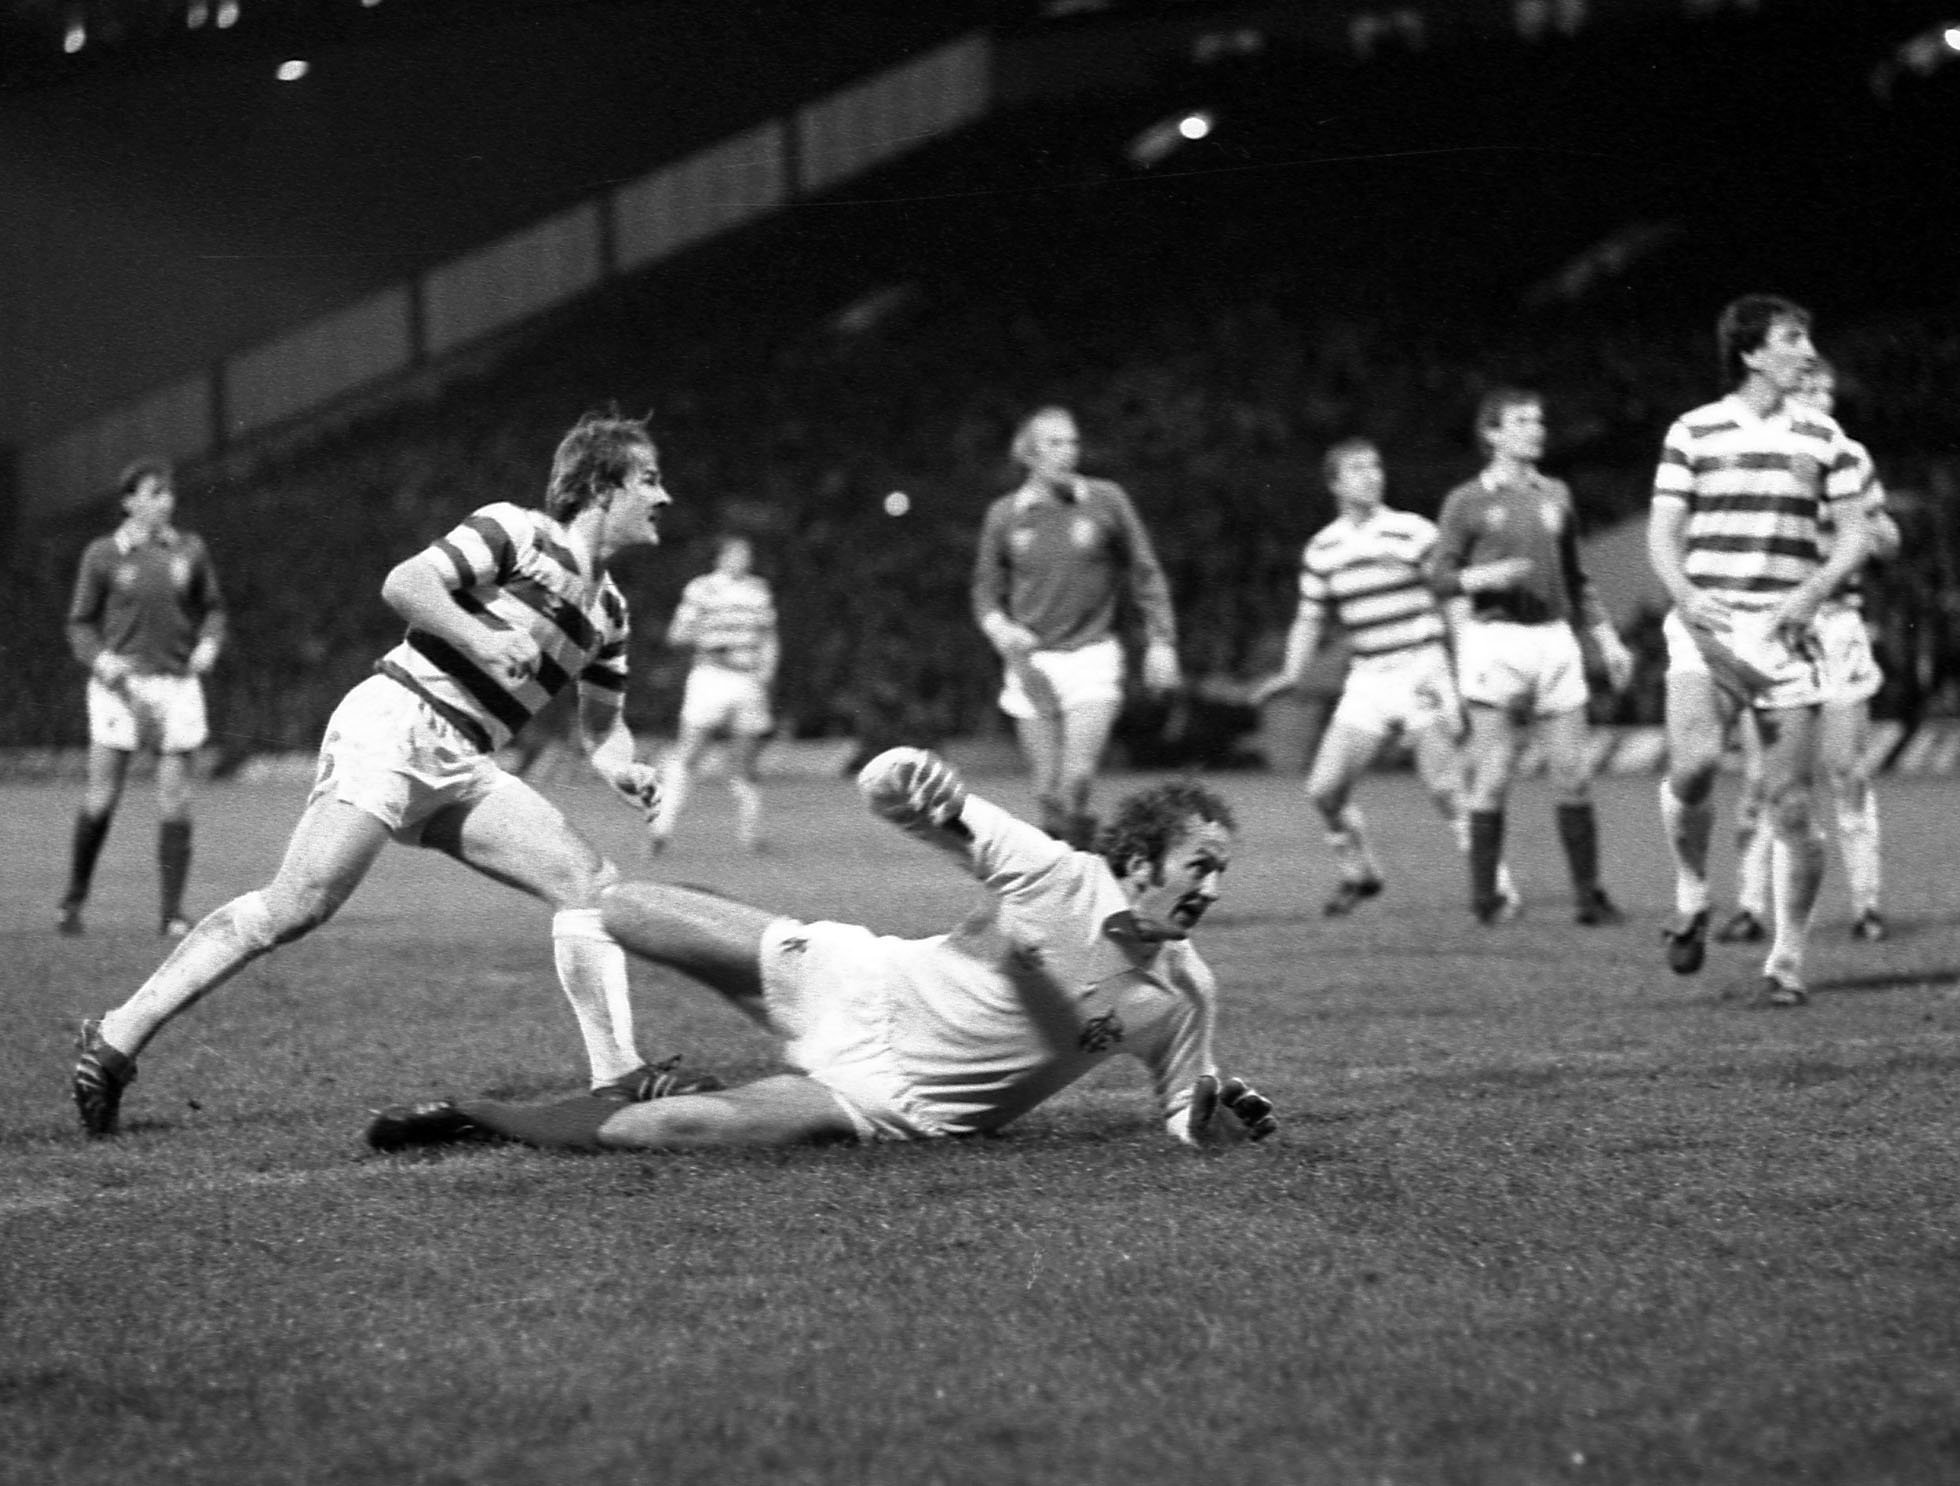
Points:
292	72
227	14
76	36
1151	146
196	14
1951	36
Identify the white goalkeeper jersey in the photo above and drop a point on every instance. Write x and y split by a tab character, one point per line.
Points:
1043	981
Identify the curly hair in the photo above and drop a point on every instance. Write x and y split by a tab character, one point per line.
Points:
598	454
1148	821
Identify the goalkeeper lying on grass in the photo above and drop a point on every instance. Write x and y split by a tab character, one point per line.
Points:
1074	958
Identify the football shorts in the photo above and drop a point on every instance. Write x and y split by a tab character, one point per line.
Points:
1749	660
1410	690
161	712
718	700
1050	682
1851	672
835	1022
1526	670
391	754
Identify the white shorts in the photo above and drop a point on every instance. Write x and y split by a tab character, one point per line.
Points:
1410	690
835	1022
390	753
161	712
717	700
1749	661
1851	672
1527	670
1050	682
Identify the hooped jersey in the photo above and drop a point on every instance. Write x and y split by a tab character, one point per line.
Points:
513	567
1371	578
1757	491
730	622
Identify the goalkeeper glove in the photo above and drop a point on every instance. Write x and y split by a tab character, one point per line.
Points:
913	787
1251	1108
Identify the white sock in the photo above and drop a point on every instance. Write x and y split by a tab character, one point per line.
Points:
1688	829
1797	870
592	969
1857	823
1353	859
748	809
674	782
1752	868
226	941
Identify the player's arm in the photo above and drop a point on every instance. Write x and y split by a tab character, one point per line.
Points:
1190	1089
769	651
609	744
1451	573
989	591
924	796
1151	592
686	624
420	589
1848	549
211	626
1589	615
85	639
1302	644
1667	552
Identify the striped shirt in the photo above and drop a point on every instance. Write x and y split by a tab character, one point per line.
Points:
512	567
1370	578
730	622
1758	492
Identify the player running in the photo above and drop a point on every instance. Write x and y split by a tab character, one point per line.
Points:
502	613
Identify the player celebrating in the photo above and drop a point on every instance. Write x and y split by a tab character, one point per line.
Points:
1367	571
147	621
1851	680
1509	550
728	618
1054	558
503	612
1744	489
1075	957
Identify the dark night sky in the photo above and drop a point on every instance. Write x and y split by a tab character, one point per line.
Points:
153	221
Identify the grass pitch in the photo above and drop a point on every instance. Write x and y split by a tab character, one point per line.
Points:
1539	1211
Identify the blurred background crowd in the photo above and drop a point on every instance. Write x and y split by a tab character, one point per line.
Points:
1365	242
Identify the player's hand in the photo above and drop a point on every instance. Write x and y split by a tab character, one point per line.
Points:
111	669
1496	575
508	654
1614	657
1160	668
1705	612
636	783
913	787
204	655
1015	642
1251	1108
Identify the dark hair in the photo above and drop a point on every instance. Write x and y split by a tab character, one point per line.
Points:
1494	404
1145	823
138	470
596	456
1330	462
1745	324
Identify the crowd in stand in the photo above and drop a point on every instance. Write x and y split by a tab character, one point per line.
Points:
1210	344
